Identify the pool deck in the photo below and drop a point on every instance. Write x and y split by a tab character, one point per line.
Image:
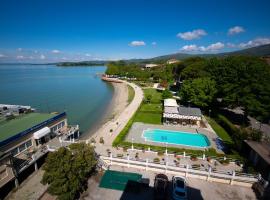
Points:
137	129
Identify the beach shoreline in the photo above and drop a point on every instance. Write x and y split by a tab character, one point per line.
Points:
117	104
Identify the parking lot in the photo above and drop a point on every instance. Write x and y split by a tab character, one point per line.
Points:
197	189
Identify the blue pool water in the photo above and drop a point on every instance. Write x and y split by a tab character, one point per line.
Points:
176	137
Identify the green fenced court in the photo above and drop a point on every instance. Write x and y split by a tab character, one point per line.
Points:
118	180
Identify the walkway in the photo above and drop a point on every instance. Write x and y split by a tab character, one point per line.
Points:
30	189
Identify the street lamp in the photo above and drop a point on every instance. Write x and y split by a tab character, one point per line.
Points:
209	113
132	147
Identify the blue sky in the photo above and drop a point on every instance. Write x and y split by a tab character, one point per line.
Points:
55	30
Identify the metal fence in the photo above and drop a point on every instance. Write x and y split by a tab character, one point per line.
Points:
230	177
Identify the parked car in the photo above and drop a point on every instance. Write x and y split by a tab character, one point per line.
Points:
179	191
160	186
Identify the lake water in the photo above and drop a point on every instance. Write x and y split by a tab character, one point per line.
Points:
48	88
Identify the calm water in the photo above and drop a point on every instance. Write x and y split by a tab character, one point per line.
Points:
76	90
176	137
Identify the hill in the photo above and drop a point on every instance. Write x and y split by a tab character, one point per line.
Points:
262	51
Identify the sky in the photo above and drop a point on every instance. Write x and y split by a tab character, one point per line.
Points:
40	31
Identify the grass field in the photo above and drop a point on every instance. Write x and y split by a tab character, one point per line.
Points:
150	113
219	130
148	117
151	107
156	95
131	94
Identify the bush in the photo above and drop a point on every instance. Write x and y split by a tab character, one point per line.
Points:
160	153
101	140
93	140
225	162
156	160
193	158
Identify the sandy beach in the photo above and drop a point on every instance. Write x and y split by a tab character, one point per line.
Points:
117	105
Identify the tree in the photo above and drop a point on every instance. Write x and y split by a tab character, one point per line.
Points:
166	94
148	98
243	81
200	91
67	170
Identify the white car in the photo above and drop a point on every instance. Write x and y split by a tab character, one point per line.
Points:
179	191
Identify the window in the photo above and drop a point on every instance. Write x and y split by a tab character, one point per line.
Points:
22	147
15	151
28	143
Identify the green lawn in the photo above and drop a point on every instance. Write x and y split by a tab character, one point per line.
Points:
219	130
148	117
131	93
156	95
151	107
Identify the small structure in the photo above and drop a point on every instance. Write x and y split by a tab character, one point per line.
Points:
172	61
148	66
174	114
157	86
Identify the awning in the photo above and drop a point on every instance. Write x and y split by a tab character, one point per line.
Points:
42	132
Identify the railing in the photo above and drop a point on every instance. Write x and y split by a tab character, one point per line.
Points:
230	177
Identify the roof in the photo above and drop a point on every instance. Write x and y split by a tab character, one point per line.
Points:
19	124
170	103
261	148
189	111
170	109
150	65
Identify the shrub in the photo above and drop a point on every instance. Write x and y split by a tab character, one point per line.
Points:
156	160
101	140
160	153
225	162
119	155
193	158
93	140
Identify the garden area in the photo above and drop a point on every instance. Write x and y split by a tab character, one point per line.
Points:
150	111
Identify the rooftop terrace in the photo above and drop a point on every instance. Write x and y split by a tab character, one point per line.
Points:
12	127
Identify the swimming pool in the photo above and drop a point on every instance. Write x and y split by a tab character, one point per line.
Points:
176	137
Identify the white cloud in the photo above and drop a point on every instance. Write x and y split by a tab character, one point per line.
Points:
231	45
42	57
255	42
236	30
154	43
2	56
137	43
20	57
191	35
55	51
194	48
88	55
215	46
19	49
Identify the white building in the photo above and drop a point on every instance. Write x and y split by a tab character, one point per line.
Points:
175	114
172	61
150	65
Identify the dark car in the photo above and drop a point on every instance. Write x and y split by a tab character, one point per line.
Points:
160	186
